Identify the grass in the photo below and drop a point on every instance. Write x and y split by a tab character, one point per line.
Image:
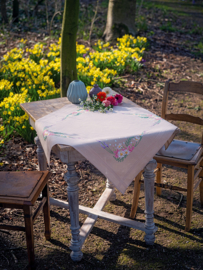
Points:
174	6
168	27
200	47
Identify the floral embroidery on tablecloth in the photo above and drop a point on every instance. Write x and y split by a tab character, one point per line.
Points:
147	116
76	113
48	132
120	150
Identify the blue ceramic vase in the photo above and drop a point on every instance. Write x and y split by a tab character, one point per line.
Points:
76	91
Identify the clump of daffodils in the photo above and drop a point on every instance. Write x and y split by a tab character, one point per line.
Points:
28	75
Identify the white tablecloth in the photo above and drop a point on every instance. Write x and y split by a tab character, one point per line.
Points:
118	143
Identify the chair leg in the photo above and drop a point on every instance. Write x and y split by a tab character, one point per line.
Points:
29	233
190	182
46	210
136	194
201	193
201	185
158	178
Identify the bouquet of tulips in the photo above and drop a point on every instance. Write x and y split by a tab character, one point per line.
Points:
104	101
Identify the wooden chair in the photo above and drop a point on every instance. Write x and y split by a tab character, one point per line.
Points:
20	190
181	154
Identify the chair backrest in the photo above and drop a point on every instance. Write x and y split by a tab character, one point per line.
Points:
184	87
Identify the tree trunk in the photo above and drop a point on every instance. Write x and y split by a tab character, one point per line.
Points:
15	11
68	44
3	11
120	19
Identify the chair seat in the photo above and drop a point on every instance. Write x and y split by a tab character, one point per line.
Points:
20	190
21	187
185	152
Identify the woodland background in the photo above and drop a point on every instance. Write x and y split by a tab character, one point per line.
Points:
174	30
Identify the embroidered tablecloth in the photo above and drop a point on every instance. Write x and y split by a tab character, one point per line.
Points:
118	143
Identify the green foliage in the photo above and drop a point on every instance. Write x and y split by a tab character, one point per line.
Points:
200	47
196	29
168	27
141	24
84	21
104	4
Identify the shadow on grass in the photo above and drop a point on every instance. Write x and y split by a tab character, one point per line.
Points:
126	249
125	252
9	251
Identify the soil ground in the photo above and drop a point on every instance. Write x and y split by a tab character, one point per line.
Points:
171	55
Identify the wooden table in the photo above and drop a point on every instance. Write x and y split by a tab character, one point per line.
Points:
70	156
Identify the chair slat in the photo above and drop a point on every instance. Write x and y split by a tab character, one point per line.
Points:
198	164
185	118
167	186
13	228
37	212
196	185
187	86
197	173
